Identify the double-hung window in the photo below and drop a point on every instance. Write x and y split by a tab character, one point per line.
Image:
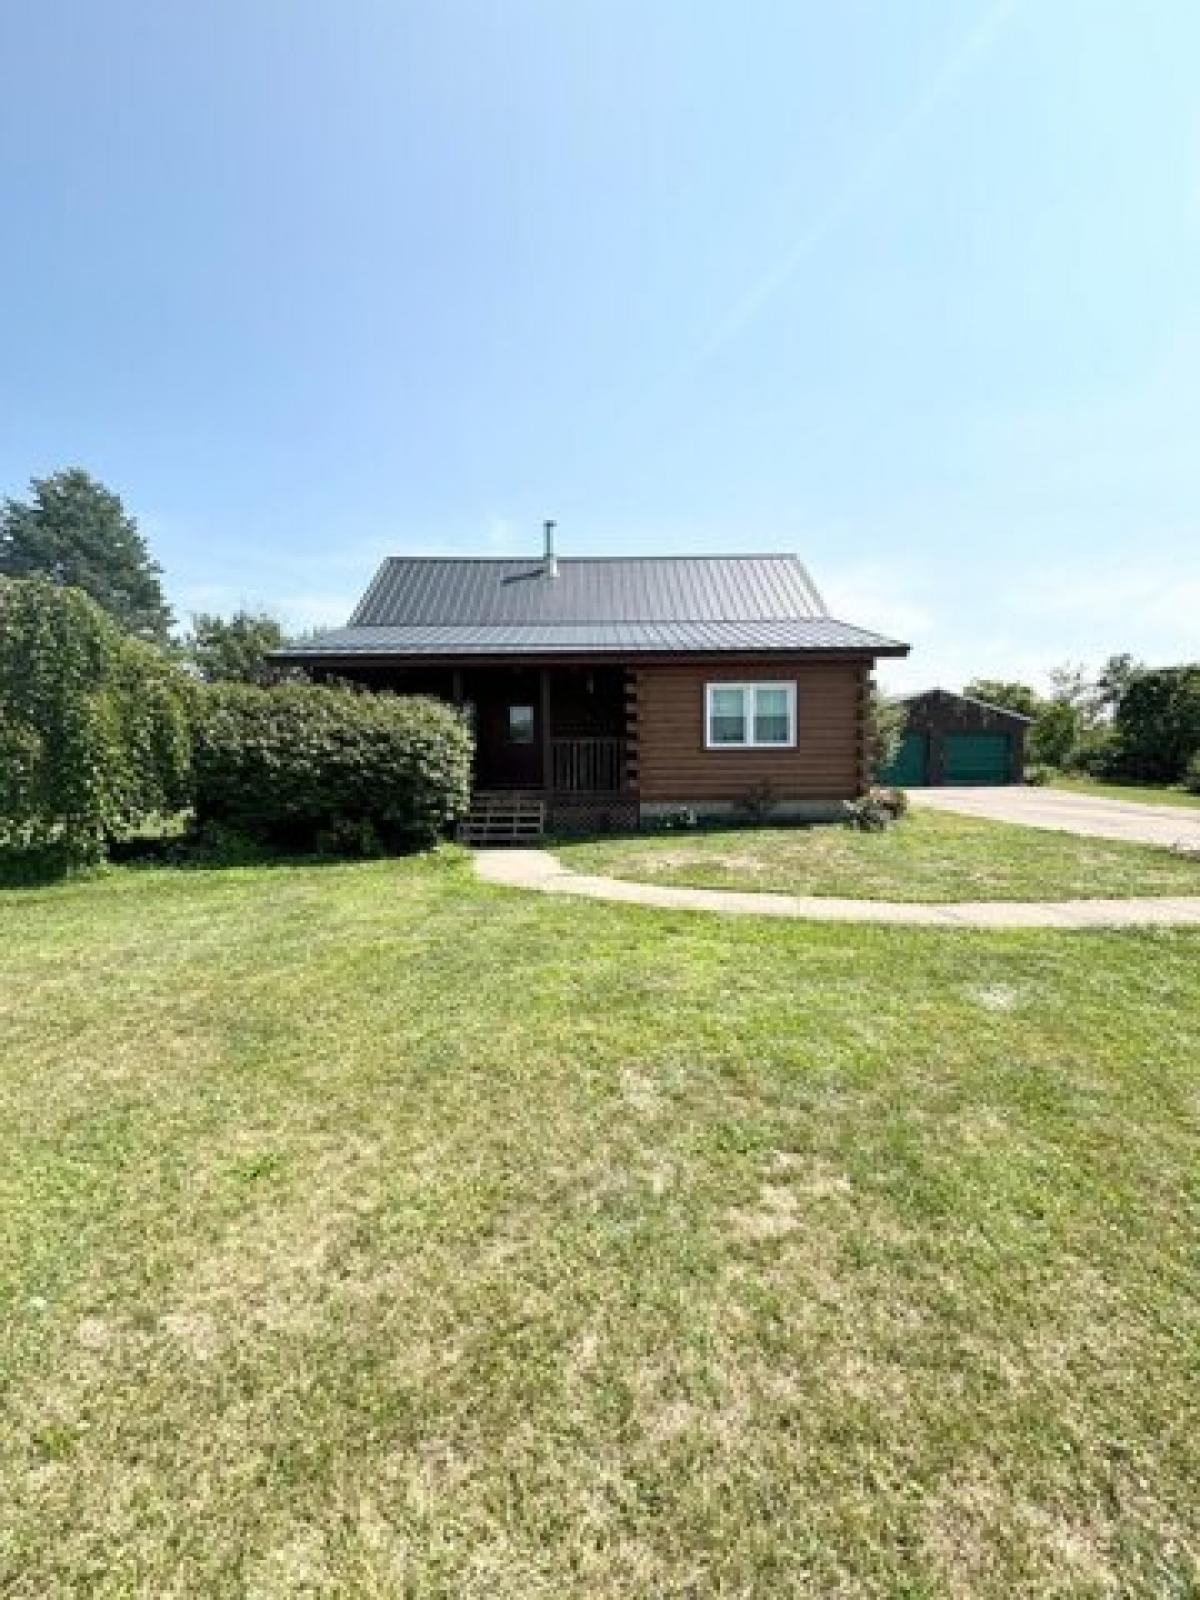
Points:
749	716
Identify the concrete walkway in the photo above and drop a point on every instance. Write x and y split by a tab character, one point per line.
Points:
543	872
1093	816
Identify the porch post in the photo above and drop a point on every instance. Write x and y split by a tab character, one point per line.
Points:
547	751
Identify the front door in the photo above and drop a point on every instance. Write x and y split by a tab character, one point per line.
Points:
508	732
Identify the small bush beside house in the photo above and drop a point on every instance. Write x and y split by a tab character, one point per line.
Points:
305	767
886	733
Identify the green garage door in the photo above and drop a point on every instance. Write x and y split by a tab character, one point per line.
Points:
977	758
909	767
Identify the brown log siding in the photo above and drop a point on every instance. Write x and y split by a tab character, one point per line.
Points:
827	762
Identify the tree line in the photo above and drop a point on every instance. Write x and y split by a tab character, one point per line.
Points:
1128	721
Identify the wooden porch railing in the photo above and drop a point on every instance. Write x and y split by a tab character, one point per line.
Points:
587	766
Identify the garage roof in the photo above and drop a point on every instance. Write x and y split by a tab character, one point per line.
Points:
967	699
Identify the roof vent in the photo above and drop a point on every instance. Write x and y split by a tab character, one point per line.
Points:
549	557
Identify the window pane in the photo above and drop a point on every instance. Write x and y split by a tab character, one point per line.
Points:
727	717
520	724
727	702
771	716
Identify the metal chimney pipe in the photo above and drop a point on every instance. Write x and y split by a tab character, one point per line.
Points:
551	559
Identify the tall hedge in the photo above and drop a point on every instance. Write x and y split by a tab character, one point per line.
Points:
94	726
291	764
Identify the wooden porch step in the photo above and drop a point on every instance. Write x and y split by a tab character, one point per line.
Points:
496	818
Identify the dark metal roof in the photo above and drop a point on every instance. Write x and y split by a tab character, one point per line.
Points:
819	633
968	699
423	591
430	606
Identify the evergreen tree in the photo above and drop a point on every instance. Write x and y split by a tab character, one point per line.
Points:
75	532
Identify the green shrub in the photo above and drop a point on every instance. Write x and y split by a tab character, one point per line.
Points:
303	767
888	719
1191	778
1157	723
876	810
1096	754
680	819
1055	733
757	803
347	838
894	801
870	813
94	726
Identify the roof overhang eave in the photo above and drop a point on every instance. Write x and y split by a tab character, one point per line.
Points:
890	648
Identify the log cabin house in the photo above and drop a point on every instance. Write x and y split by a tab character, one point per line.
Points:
606	691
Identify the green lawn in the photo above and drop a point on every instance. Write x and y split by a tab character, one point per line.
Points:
1151	794
370	1232
928	856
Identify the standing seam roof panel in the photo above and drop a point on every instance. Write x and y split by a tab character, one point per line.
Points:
424	591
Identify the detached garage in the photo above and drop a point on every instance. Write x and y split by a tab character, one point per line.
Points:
951	738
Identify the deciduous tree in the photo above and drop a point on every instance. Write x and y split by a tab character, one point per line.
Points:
1157	723
94	725
236	649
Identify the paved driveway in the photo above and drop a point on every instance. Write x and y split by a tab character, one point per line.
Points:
1064	812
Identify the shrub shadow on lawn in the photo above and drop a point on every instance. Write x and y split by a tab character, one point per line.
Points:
45	869
201	853
38	869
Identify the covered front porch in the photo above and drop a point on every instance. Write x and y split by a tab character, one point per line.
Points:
559	730
558	735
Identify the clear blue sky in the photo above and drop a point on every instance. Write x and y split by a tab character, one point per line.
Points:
911	287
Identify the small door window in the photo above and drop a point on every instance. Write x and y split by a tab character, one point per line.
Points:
520	724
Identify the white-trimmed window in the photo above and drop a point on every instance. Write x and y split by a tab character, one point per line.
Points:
749	716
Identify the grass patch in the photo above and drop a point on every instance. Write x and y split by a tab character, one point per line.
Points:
1151	794
930	855
368	1231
